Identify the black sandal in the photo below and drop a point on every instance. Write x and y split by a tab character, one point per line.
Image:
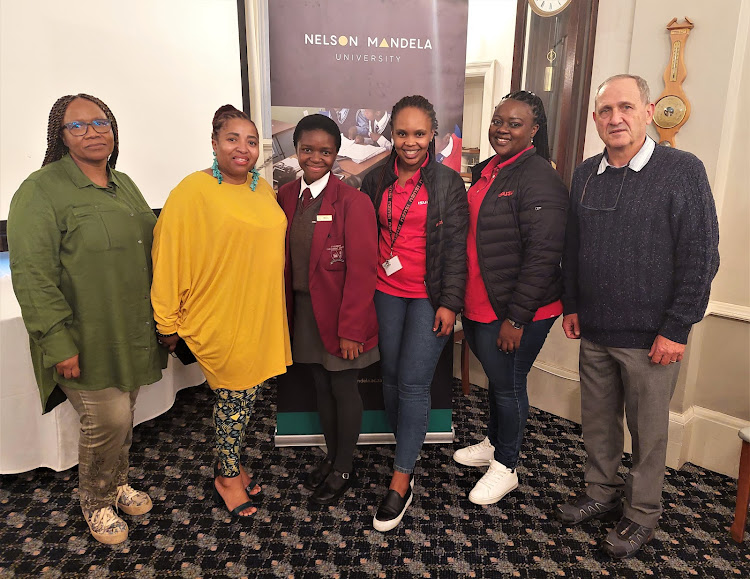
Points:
235	512
248	489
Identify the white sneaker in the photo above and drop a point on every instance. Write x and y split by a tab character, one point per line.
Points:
476	455
497	482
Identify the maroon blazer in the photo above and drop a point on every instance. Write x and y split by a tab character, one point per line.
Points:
343	264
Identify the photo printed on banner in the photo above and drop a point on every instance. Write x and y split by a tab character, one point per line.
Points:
352	60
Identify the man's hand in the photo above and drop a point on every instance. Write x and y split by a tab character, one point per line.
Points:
69	369
664	351
444	321
571	327
169	342
509	337
350	349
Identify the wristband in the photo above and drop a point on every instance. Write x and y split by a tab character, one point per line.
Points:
158	333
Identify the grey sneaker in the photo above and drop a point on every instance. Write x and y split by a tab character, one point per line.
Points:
584	508
106	527
626	539
131	501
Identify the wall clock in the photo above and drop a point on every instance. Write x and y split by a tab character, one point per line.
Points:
672	107
548	7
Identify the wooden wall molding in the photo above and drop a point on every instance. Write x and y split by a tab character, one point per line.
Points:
729	311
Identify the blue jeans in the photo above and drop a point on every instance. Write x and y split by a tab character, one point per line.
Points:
409	352
509	401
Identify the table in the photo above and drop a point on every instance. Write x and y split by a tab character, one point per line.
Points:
30	439
359	169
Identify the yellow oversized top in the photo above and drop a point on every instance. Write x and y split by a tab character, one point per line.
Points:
218	257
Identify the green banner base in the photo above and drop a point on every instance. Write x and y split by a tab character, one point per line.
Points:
303	428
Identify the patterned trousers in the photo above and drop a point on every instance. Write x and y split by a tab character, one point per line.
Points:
104	445
232	409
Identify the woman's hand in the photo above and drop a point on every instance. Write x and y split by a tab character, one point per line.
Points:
350	349
444	321
169	342
69	369
509	337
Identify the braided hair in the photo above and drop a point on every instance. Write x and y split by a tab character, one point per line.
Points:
541	139
224	114
418	102
56	148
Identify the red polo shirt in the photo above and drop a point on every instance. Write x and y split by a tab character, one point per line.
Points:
411	244
477	306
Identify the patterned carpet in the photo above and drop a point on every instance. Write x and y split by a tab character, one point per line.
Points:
42	533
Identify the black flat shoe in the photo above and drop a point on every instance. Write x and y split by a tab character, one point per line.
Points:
235	512
333	488
248	489
392	509
317	475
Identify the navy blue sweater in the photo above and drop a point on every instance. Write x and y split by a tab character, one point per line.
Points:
644	268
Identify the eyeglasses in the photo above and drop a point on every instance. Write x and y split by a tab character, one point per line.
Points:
593	205
79	128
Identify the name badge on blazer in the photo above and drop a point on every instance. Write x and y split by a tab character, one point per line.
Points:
325	217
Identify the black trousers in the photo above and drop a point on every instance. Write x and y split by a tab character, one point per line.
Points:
340	409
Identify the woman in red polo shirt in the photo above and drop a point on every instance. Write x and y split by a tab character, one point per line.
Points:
517	210
422	218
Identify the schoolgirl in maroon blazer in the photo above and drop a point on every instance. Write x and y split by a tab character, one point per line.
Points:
331	261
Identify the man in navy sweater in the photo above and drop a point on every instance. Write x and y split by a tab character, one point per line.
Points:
641	252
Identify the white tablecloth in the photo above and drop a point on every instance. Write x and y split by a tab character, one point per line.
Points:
29	439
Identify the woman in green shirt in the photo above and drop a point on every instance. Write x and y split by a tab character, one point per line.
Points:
79	235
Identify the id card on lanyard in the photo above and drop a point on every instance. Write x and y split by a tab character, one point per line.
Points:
393	263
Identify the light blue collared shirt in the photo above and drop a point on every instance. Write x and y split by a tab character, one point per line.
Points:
638	161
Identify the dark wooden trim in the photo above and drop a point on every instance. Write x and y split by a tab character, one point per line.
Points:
586	88
244	70
567	120
517	71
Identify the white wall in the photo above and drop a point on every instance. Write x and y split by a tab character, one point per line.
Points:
708	57
163	67
614	28
490	35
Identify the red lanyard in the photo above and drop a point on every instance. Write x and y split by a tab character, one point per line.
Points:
401	220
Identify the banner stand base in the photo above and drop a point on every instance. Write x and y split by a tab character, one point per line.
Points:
374	438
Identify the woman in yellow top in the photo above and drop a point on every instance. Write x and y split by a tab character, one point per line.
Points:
218	283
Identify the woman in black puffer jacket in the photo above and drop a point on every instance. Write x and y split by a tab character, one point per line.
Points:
517	210
422	219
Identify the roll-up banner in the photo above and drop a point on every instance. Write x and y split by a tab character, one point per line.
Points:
352	60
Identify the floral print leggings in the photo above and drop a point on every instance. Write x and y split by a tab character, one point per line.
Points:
232	409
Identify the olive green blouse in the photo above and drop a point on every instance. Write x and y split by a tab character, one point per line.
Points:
80	260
